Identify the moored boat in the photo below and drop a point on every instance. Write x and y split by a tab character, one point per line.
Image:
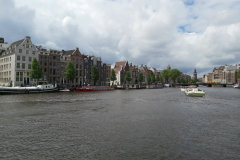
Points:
34	89
236	86
195	92
95	88
64	90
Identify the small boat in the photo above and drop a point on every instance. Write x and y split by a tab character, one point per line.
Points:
34	89
195	92
64	90
95	88
236	86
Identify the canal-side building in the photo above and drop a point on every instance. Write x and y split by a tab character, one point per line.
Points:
15	63
133	69
50	63
218	74
120	69
90	61
144	70
108	73
76	57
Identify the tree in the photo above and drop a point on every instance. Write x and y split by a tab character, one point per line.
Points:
158	78
166	74
36	70
153	79
179	80
113	76
70	73
140	77
238	74
94	74
174	74
161	79
128	76
149	79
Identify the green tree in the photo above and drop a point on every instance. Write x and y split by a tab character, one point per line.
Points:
179	80
36	70
140	77
153	79
161	79
158	78
94	74
70	73
166	74
149	79
238	74
128	76
174	74
113	76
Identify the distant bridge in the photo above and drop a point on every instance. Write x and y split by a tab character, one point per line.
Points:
206	84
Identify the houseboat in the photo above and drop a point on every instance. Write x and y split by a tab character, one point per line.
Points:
94	88
35	89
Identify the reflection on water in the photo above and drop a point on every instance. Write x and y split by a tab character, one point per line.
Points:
132	124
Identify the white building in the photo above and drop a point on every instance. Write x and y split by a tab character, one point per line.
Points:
15	63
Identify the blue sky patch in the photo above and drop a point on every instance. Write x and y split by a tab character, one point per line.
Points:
189	2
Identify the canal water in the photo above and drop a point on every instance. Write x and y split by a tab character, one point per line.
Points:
122	124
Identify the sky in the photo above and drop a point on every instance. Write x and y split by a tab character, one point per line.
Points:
184	34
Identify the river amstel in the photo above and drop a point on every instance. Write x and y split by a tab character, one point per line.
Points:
154	124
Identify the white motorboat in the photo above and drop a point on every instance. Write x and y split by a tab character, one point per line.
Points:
34	89
195	92
236	86
64	90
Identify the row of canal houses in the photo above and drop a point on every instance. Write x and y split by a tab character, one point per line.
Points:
226	74
121	69
16	59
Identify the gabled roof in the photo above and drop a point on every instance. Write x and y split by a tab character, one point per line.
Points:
123	63
119	65
17	42
69	52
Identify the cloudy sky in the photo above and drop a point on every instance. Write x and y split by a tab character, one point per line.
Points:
182	33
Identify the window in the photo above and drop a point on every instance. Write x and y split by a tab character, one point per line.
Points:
45	69
20	50
77	60
23	58
17	76
54	71
33	52
40	63
80	60
18	65
29	66
73	59
27	51
21	76
30	59
57	63
50	63
40	57
23	65
45	57
18	58
50	71
54	63
27	46
57	71
50	57
45	63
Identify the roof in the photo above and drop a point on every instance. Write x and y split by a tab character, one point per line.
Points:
69	52
17	42
119	65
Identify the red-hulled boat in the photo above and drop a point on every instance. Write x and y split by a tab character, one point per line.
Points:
95	88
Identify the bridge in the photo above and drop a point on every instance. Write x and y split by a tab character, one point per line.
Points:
206	84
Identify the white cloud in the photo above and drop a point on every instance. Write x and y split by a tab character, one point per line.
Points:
204	34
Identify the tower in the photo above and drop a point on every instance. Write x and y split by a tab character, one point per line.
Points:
168	67
195	74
